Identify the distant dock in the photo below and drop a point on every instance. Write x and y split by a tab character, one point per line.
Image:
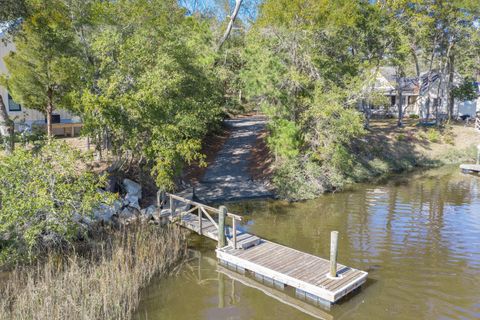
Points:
314	279
470	168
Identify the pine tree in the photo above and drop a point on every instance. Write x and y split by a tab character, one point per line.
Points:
44	67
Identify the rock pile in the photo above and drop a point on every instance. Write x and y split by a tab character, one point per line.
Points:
128	209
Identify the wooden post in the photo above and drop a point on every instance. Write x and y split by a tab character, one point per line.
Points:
160	198
234	226
163	198
200	221
333	253
172	206
478	154
221	226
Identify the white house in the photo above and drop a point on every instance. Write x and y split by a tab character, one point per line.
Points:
415	94
22	115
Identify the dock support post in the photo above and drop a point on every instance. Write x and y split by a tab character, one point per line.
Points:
161	196
172	206
222	214
234	227
200	221
478	154
333	253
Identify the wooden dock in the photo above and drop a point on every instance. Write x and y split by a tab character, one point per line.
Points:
268	262
470	168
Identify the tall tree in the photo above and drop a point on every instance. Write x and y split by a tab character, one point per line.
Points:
151	89
45	67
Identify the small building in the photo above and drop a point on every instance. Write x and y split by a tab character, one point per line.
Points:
415	94
24	117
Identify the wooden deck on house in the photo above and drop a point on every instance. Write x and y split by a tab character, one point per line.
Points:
267	261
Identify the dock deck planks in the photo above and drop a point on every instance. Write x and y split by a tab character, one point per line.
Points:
298	269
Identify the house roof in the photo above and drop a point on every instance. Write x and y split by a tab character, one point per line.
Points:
386	82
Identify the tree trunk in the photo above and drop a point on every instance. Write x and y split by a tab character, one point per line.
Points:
400	108
238	3
367	112
451	100
427	108
6	128
49	112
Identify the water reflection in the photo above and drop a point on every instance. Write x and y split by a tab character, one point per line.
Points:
419	237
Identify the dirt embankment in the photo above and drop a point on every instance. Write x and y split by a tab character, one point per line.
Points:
446	144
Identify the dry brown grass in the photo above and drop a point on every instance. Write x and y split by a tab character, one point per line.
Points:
103	284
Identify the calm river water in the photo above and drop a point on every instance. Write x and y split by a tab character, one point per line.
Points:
418	236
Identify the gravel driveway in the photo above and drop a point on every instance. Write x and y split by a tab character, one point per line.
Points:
228	177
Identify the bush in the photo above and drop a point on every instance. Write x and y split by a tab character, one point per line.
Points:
41	190
433	135
414	116
401	137
295	182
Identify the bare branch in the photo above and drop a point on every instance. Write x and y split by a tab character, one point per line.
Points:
238	3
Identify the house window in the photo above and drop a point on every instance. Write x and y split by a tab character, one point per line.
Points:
392	100
12	105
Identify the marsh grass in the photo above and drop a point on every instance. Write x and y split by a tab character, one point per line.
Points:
102	282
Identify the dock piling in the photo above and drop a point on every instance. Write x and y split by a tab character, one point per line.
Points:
333	253
478	154
200	222
221	226
161	197
234	227
172	206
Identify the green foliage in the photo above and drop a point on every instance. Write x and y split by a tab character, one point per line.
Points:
466	91
299	68
433	135
45	66
40	192
291	179
401	137
152	88
284	139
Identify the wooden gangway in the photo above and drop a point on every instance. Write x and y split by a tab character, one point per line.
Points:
319	280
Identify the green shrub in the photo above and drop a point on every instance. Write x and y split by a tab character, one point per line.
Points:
413	116
41	190
433	135
379	166
401	137
295	181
